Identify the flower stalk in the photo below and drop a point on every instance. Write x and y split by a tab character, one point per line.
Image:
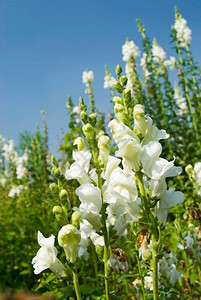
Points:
76	286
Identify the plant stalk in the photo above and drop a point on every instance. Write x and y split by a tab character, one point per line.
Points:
76	286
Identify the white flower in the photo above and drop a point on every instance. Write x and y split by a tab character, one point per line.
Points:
69	238
158	53
20	166
46	257
122	196
112	164
91	203
167	267
15	191
143	60
119	130
104	148
76	112
197	177
144	125
87	77
80	168
109	82
183	32
147	74
8	151
130	50
170	62
154	166
181	101
169	199
129	149
148	281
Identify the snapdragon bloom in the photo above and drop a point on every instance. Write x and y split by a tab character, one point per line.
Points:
183	32
109	81
46	257
158	53
69	238
130	50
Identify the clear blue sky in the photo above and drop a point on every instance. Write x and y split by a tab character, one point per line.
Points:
45	45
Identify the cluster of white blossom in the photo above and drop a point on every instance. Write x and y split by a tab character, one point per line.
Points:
143	64
8	151
76	112
16	190
194	174
170	62
87	79
145	154
197	177
158	52
181	101
109	81
19	162
130	50
119	189
168	269
148	282
183	32
21	169
192	242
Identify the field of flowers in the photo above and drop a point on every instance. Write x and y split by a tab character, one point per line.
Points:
117	215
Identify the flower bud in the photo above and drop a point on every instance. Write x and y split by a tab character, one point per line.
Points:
99	250
88	131
119	111
56	172
189	170
54	188
117	99
127	95
79	142
147	255
92	119
118	87
138	110
191	226
69	238
58	212
76	218
54	161
82	105
118	70
57	209
123	80
63	195
101	133
104	147
139	118
84	117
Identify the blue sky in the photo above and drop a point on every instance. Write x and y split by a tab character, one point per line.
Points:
46	45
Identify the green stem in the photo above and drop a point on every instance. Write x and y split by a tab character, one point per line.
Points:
141	279
76	286
106	243
155	270
186	91
154	232
91	98
189	275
